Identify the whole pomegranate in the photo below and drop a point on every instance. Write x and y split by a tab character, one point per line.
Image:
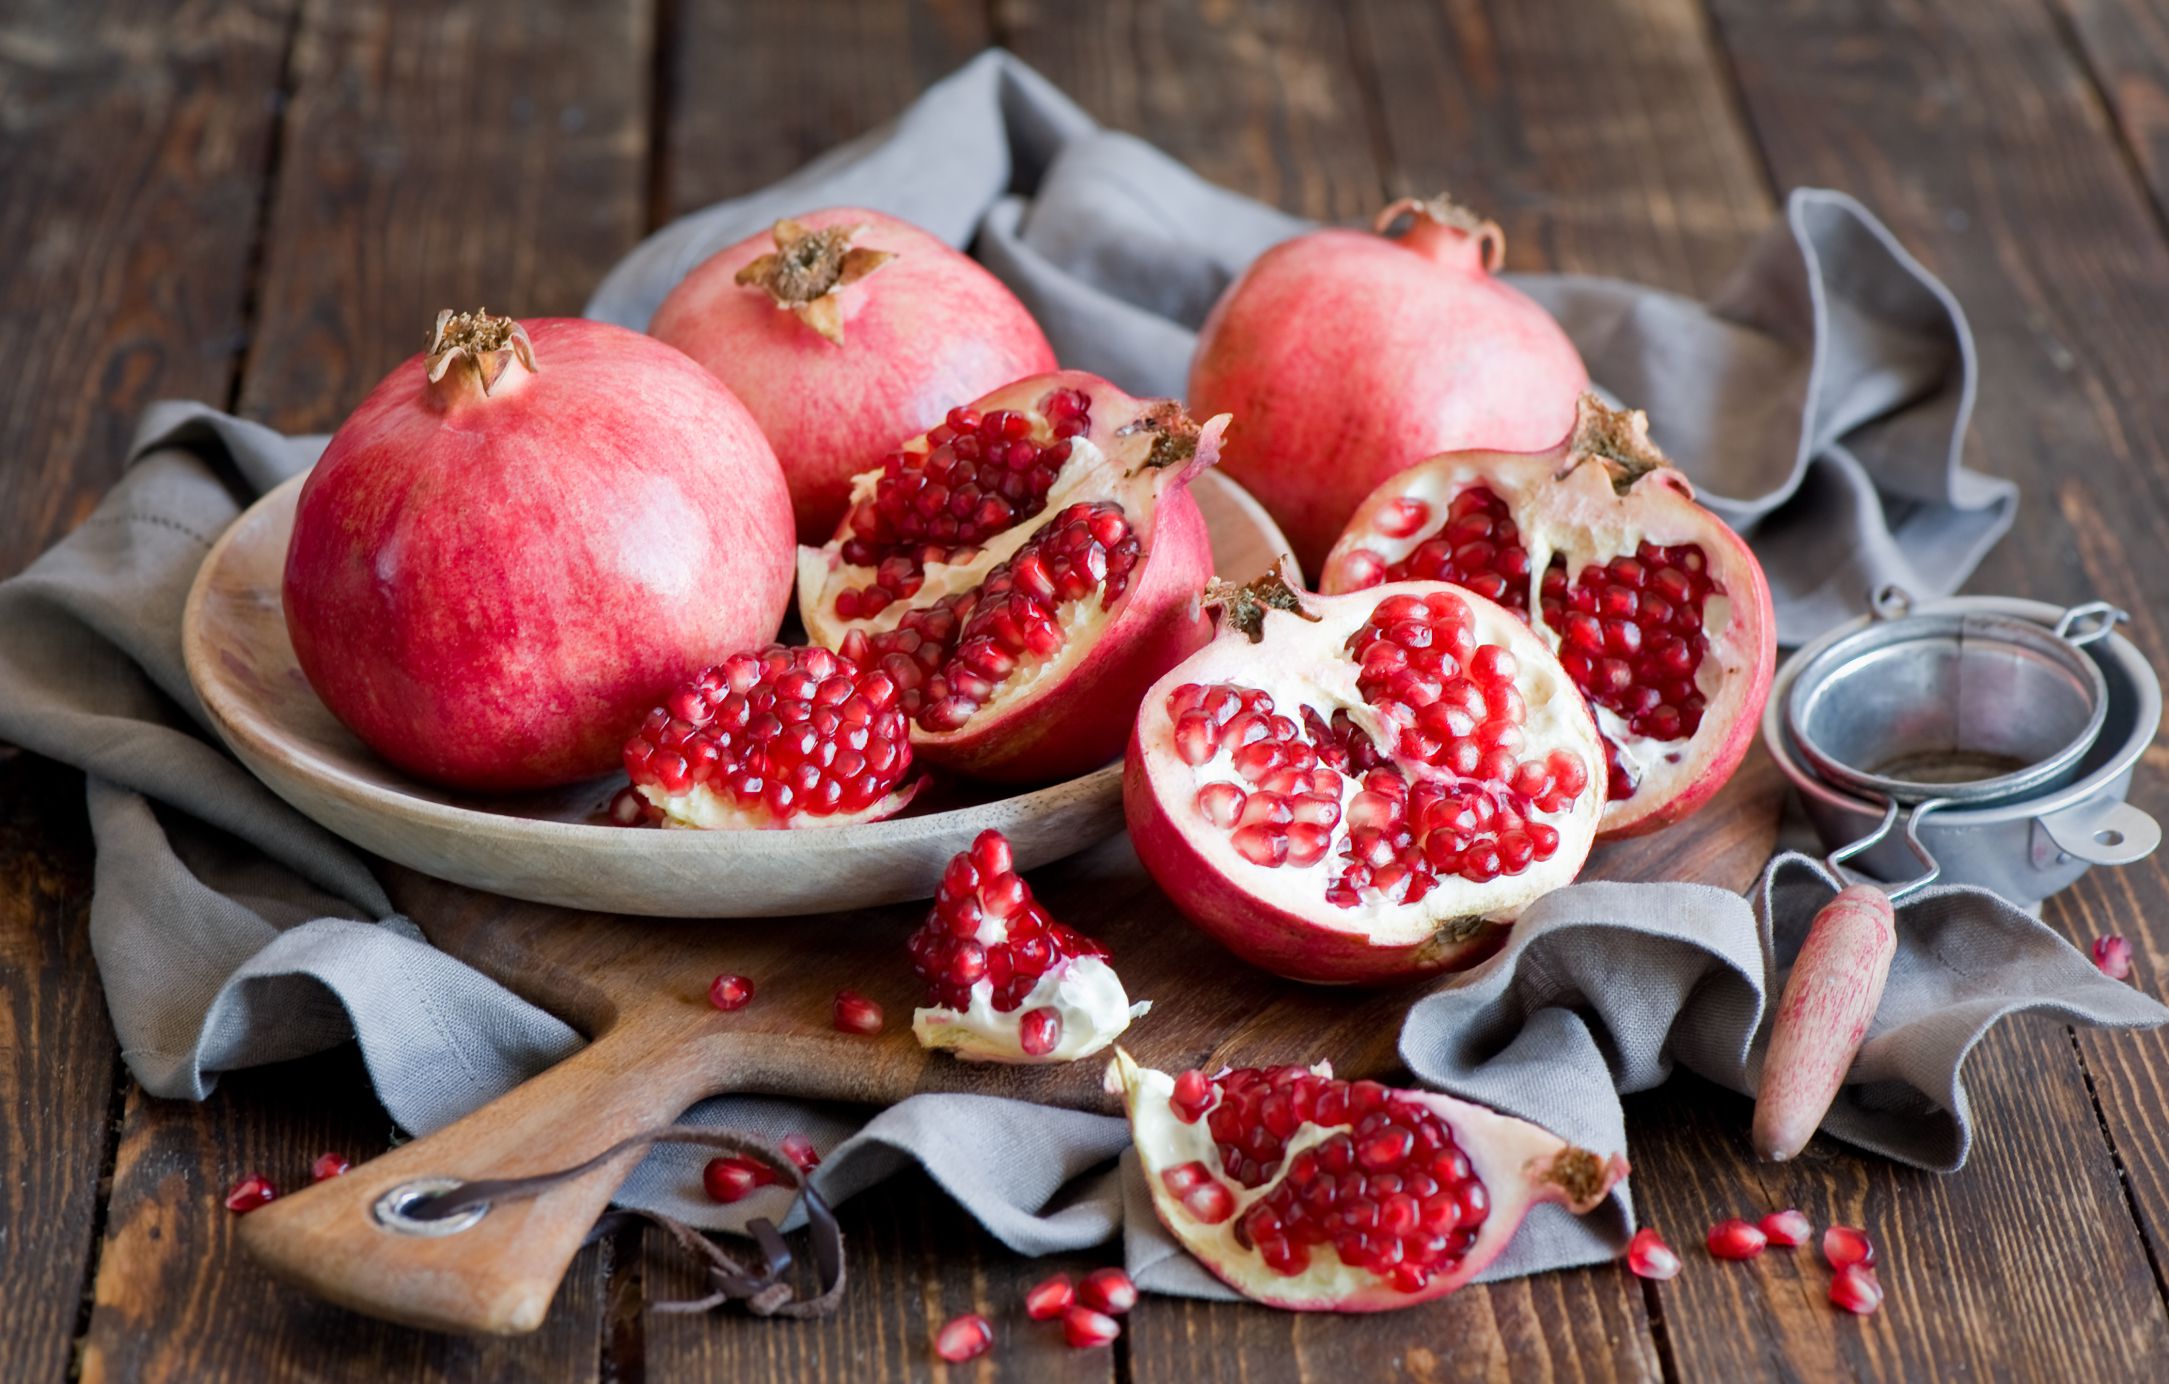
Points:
1359	788
1345	355
844	330
1023	571
1304	1191
522	539
1657	609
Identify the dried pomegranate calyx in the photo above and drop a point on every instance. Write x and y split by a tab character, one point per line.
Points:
808	269
1441	212
1618	440
473	350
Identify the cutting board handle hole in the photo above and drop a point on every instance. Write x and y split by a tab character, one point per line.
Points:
391	1209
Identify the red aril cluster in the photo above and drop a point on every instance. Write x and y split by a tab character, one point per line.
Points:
980	888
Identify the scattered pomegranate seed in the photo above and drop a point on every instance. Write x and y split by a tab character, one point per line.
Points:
732	1178
1854	1288
964	1338
1843	1245
628	808
1736	1239
249	1193
1085	1328
1650	1257
1788	1228
328	1166
800	1150
1049	1298
856	1014
2112	954
1109	1291
730	992
1192	1094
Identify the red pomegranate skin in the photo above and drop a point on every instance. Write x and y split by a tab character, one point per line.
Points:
1347	355
924	331
491	591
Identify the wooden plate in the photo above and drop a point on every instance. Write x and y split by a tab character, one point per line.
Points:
552	847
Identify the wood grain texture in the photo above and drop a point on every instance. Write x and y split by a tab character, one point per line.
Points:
2125	43
1263	96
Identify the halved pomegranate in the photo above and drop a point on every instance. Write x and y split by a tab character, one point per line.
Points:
1658	610
1005	982
1358	788
782	738
1307	1192
1023	572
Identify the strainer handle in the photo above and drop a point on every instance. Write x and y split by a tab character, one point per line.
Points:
2081	625
1932	869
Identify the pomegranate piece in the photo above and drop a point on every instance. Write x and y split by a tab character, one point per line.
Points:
1371	351
728	992
1658	611
2112	955
1787	1228
1391	1197
800	1150
733	1177
1084	1328
328	1166
1855	1289
1843	1245
964	1338
1363	787
1650	1257
1109	1291
521	539
1736	1239
1004	981
835	360
781	738
1022	572
854	1013
250	1192
1049	1298
1829	1000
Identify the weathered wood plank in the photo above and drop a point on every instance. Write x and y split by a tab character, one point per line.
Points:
2126	44
753	90
1264	97
435	155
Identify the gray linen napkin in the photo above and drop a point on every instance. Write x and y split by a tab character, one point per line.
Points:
1820	402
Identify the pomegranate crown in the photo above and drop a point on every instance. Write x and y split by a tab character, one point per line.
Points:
1618	438
477	346
1243	606
809	267
1441	227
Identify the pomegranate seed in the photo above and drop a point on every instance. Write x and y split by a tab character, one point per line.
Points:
1200	1192
856	1014
730	992
1049	1298
1787	1228
328	1166
1084	1328
627	808
1855	1289
1108	1290
1192	1094
1843	1245
1736	1239
1650	1257
249	1193
800	1150
732	1178
964	1338
2112	954
1039	1031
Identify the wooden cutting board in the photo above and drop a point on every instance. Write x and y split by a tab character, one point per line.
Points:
638	989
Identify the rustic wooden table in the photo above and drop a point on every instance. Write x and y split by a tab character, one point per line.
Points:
260	203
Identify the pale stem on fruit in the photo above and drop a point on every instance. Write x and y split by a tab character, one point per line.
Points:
472	354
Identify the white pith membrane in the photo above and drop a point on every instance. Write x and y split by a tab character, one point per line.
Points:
1084	992
1580	517
1104	466
702	810
1307	663
1515	1160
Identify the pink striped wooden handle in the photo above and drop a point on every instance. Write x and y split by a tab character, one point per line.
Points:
1829	1000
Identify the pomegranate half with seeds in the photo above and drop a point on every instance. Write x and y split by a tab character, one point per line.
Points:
522	539
1656	608
1023	572
1359	788
1307	1192
782	738
843	330
1005	982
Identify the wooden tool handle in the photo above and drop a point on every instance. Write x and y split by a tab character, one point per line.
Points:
497	1275
1830	998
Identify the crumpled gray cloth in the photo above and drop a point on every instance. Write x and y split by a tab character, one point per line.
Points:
1821	401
